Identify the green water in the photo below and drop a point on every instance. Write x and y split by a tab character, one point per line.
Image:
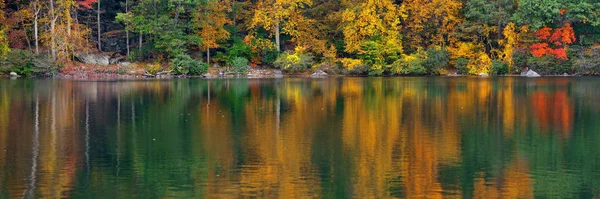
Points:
301	138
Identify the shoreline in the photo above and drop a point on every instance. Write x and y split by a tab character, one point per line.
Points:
213	73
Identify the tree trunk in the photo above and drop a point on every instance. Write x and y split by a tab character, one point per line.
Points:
208	56
140	42
99	30
36	13
52	30
126	28
277	38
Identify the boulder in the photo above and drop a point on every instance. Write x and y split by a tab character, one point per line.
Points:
532	73
483	74
207	75
125	64
13	74
319	73
96	59
278	74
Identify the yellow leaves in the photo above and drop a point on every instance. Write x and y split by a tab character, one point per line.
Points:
350	63
210	20
509	44
464	49
443	15
481	64
370	18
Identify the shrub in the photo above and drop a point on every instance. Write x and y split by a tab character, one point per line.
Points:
25	63
461	65
153	68
240	65
586	61
329	67
185	65
548	64
410	65
291	63
354	66
499	68
377	54
437	59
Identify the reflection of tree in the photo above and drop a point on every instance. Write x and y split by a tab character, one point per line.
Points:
296	138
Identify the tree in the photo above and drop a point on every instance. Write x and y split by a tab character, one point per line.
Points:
553	43
4	49
210	21
273	14
431	22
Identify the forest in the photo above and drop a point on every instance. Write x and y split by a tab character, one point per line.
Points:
353	37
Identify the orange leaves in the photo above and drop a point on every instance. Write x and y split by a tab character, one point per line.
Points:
87	4
543	33
560	38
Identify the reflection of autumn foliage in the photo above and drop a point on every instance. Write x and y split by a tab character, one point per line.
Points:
553	110
560	38
515	182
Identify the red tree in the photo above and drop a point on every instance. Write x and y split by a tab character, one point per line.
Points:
87	4
553	43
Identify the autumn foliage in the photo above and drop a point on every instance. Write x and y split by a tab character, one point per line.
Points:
553	42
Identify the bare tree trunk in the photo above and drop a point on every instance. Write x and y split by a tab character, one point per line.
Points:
277	38
36	14
53	19
99	30
126	28
140	42
208	55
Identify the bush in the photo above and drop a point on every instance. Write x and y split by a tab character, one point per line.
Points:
461	65
240	65
409	65
27	64
437	60
499	68
329	67
354	66
185	65
548	65
586	61
291	63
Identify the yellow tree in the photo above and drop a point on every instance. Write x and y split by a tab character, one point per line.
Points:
364	19
210	21
64	37
273	14
431	22
512	39
4	49
371	29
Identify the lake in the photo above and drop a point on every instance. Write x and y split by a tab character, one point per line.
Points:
433	137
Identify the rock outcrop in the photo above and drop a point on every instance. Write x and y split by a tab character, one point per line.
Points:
532	73
319	73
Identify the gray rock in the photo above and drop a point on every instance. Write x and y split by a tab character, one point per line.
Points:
278	74
483	74
207	75
97	59
532	73
319	73
13	74
125	64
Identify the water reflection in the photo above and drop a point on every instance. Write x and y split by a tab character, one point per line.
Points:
299	138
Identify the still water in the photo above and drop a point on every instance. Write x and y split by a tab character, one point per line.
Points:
301	138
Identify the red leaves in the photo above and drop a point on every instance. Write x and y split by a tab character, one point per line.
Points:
560	38
86	3
543	33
